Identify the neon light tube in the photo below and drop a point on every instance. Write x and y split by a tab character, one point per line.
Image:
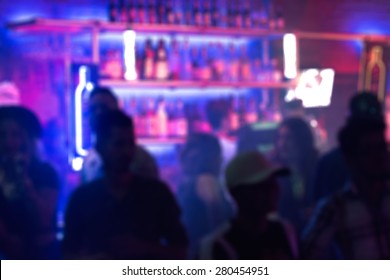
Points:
290	56
77	163
79	110
129	37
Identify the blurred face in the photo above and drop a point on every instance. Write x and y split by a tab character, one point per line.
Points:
118	149
99	104
286	145
257	200
14	140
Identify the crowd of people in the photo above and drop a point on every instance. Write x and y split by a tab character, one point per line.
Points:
292	203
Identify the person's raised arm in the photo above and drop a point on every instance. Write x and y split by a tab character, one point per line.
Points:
320	232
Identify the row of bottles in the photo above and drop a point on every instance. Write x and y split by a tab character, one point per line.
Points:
174	118
181	61
221	13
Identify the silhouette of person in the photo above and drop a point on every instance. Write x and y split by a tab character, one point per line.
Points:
122	215
204	200
101	100
355	220
332	172
28	189
295	148
253	233
216	113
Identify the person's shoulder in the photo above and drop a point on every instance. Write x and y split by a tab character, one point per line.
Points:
152	185
331	156
45	167
45	173
88	189
213	242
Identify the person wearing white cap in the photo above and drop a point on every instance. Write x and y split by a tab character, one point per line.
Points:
253	233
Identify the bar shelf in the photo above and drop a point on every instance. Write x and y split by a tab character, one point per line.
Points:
42	25
194	84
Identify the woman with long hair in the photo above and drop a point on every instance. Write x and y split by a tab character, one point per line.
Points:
295	148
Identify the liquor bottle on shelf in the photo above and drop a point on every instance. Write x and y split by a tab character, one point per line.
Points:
244	67
148	61
195	67
233	64
220	65
212	54
170	12
207	14
189	112
197	14
152	18
266	73
233	114
271	15
215	14
171	126
161	66
181	121
113	65
174	61
186	64
256	70
223	13
122	11
277	74
251	111
112	11
161	12
280	23
201	123
151	119
204	65
141	12
132	109
241	111
230	13
131	12
247	14
138	60
238	16
263	19
178	12
161	118
188	13
141	125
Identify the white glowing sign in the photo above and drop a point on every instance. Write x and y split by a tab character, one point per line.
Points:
314	88
129	37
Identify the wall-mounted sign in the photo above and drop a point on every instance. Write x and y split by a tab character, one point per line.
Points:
314	88
374	68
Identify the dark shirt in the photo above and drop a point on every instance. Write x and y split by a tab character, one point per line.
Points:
147	212
273	243
331	175
201	215
17	212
